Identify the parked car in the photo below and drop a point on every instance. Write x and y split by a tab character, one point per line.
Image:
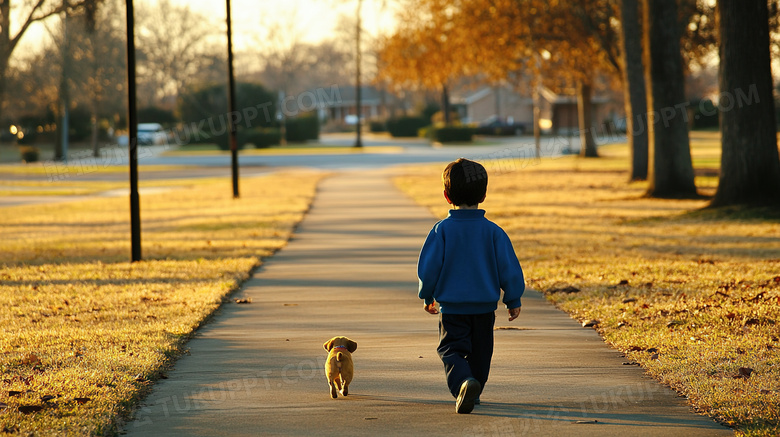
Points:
151	134
500	126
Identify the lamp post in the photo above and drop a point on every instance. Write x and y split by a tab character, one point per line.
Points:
232	105
358	96
132	140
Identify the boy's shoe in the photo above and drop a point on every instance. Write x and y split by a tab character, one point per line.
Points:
469	391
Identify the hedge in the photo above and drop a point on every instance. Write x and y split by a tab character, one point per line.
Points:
405	126
450	134
301	129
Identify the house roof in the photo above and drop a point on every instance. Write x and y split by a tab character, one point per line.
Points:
473	97
553	97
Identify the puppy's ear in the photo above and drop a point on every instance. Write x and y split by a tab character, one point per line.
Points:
351	346
328	345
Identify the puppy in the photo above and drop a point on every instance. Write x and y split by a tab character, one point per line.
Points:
338	366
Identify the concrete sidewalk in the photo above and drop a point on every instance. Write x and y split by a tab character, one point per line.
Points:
257	369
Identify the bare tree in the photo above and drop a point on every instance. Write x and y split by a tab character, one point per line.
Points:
30	11
175	45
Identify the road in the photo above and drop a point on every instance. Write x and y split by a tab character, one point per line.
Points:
378	152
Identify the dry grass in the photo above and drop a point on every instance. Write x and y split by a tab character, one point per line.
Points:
83	333
692	295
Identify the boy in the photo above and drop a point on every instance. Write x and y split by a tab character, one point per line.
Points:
464	264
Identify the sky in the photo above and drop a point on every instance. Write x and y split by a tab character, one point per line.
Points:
314	20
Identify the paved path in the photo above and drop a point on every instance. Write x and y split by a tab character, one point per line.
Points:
257	369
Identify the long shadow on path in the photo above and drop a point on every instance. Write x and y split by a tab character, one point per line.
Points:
257	369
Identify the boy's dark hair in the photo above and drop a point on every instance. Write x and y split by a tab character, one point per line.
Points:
465	182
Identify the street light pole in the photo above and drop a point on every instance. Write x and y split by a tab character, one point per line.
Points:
232	105
358	96
132	140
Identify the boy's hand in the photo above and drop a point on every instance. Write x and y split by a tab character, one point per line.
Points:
431	308
513	313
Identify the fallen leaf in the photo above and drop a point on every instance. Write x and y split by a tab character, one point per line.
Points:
765	391
371	418
674	323
630	363
651	350
31	359
629	300
583	422
291	304
27	409
10	430
47	398
245	300
82	401
636	348
745	372
622	324
590	323
420	356
3	405
14	393
654	357
623	282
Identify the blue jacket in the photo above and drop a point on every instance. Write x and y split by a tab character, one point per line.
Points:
465	263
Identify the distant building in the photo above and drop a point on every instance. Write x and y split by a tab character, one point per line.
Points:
558	111
489	103
375	104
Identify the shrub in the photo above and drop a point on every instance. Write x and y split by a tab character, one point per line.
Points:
262	138
153	114
207	107
438	117
428	111
405	126
28	138
29	154
450	134
377	126
302	128
79	123
705	114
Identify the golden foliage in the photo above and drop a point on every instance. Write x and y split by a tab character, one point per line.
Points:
692	295
83	332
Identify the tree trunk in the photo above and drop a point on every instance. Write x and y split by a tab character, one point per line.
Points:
5	48
445	104
587	130
3	74
670	169
750	167
634	89
61	144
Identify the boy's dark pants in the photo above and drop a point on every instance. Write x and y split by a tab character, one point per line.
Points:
466	347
